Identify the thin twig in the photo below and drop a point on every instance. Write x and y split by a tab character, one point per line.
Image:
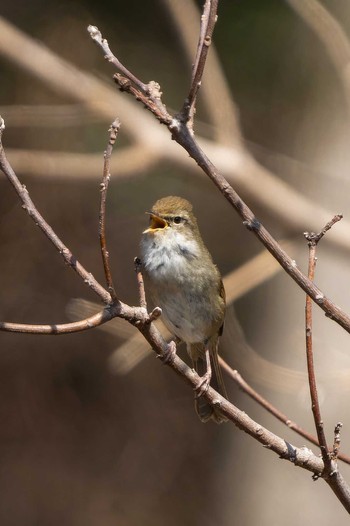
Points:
30	208
96	320
313	239
247	389
97	37
113	132
208	21
126	79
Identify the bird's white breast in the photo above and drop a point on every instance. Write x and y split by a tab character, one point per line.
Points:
168	258
173	270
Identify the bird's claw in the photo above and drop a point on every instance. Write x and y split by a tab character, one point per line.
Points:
169	354
203	385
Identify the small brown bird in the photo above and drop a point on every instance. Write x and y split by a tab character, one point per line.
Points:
184	282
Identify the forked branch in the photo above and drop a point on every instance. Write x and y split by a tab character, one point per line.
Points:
313	240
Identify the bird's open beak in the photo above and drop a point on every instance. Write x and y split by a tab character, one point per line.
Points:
156	223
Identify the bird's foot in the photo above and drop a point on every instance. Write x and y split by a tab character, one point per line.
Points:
204	381
203	385
169	354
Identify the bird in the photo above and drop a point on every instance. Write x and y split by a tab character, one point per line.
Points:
182	279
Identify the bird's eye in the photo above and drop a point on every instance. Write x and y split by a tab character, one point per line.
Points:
177	220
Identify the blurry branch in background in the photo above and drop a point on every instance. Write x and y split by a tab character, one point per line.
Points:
130	160
48	115
235	162
331	34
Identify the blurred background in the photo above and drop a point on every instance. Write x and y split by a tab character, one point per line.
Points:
92	437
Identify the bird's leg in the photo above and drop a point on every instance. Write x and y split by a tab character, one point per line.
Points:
203	385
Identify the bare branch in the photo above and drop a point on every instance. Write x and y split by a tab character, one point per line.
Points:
95	320
128	82
247	389
97	37
113	132
223	113
135	349
208	21
313	239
